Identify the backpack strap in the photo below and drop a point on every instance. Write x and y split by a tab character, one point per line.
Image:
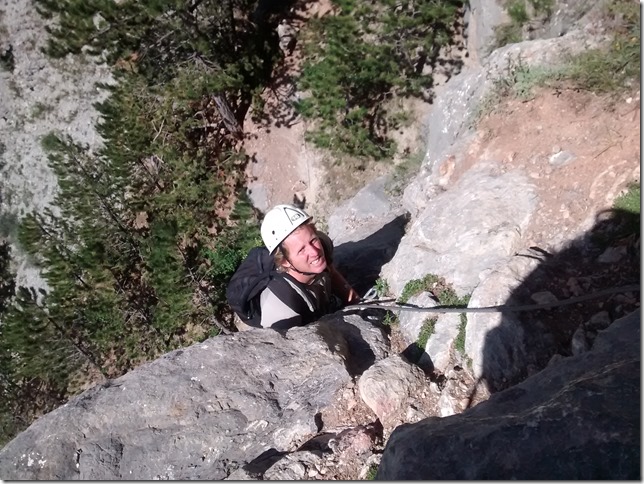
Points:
294	295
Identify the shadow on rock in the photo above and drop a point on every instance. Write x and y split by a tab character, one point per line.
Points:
360	346
577	414
606	257
362	261
266	459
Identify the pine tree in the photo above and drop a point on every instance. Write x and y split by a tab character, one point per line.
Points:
363	56
144	232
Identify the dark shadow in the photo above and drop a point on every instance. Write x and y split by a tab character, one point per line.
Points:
319	445
361	262
416	355
262	462
607	256
359	355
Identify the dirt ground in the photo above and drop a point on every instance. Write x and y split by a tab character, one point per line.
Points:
580	150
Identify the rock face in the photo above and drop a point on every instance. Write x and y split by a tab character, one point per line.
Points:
465	231
265	405
366	231
578	419
386	387
39	96
199	412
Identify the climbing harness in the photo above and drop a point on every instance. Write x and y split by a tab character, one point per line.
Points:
369	304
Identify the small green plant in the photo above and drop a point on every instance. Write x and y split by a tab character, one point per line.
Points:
459	343
517	81
625	219
428	329
382	287
618	66
390	319
520	12
631	200
609	69
517	11
437	286
416	286
446	297
627	207
40	110
371	473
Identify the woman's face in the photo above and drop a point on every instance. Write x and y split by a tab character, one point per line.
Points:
304	250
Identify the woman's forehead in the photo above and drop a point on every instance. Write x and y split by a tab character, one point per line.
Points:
301	234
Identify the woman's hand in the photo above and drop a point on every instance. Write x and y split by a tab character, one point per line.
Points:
352	296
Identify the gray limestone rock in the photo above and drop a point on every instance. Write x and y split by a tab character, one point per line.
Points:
577	419
200	412
456	106
496	342
366	231
387	386
466	230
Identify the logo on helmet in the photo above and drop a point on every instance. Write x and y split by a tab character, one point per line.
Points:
293	215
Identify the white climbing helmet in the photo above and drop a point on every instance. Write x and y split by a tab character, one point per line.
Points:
279	222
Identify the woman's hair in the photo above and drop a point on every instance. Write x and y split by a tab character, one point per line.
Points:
280	255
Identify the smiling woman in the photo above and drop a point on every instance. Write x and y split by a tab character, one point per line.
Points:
303	254
306	285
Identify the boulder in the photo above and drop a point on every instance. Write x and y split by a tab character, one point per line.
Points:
469	229
200	412
577	419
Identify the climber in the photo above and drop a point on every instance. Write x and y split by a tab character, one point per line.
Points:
303	283
303	255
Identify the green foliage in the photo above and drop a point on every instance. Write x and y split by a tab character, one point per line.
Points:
520	12
426	331
148	229
371	473
612	69
631	200
382	287
517	11
628	210
518	81
604	70
459	343
359	58
159	37
446	297
617	67
36	361
391	319
416	286
222	260
416	351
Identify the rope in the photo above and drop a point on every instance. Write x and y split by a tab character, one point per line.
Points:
492	309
